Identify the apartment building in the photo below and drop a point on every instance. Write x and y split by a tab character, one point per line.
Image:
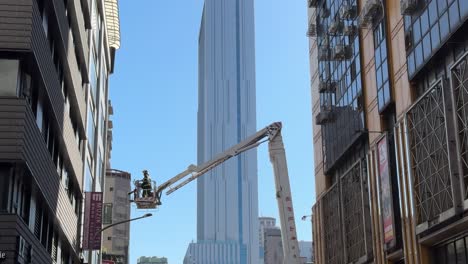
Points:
116	240
55	59
389	100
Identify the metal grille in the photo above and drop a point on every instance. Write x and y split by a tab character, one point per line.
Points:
429	154
353	213
460	90
332	226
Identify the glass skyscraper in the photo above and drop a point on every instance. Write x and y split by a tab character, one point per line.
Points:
227	219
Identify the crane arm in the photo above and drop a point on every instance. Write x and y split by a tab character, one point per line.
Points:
253	141
271	133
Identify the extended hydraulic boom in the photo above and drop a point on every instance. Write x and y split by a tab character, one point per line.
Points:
271	133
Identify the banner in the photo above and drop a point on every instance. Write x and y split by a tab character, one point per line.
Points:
108	262
385	191
92	221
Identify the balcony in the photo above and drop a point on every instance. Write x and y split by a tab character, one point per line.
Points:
371	12
409	7
327	86
348	11
324	54
349	30
335	27
342	52
326	115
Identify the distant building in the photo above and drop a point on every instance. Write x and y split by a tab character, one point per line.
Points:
273	246
306	250
152	260
116	208
264	222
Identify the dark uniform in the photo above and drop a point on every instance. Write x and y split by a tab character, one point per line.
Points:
146	184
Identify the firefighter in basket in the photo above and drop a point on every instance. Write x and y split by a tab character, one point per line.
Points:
146	185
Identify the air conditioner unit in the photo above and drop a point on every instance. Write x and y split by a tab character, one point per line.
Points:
327	86
324	53
335	27
325	116
313	3
408	7
369	12
348	11
349	30
342	52
312	31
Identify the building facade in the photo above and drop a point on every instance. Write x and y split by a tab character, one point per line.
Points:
227	199
47	65
273	246
264	222
389	97
116	240
152	260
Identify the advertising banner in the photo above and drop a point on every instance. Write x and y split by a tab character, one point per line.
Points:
92	221
385	191
108	262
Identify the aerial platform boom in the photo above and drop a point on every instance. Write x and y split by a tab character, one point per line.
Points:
271	133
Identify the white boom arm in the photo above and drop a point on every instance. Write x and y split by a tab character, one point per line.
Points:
271	133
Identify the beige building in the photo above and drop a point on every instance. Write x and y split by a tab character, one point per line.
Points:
273	246
115	245
390	103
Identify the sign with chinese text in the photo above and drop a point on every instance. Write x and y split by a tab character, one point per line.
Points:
92	221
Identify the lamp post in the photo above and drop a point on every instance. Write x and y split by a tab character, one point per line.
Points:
126	221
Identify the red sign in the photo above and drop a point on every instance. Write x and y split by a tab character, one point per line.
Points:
385	191
92	221
108	262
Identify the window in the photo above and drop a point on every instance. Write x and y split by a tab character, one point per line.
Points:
9	77
109	238
88	179
4	187
91	130
111	189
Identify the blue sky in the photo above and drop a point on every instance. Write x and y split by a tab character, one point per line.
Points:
154	94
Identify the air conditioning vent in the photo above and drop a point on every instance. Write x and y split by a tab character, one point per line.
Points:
349	30
327	86
325	116
342	52
335	27
348	11
371	10
324	54
313	3
409	7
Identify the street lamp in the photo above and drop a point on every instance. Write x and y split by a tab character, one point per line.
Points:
126	221
305	217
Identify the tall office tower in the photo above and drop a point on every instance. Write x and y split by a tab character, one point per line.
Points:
115	244
227	224
52	54
389	86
